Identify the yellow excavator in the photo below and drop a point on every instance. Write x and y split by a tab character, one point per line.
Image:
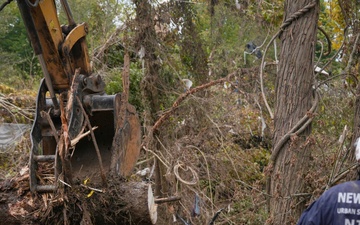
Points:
79	130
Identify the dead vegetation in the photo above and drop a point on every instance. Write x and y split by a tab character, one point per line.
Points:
18	109
214	165
215	159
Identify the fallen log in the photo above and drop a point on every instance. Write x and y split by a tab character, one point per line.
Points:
138	202
120	203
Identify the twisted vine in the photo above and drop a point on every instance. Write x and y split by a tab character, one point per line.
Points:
299	127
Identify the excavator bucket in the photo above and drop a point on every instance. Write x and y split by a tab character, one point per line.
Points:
119	145
113	148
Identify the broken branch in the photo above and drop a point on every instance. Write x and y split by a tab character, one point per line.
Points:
169	199
80	136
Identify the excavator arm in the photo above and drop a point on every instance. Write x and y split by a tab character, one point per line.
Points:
61	49
71	96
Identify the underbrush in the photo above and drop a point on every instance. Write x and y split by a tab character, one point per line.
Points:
17	106
15	157
215	149
222	144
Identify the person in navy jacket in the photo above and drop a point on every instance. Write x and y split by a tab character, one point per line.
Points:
340	205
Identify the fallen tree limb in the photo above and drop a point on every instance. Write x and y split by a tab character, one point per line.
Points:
183	96
169	199
180	99
80	136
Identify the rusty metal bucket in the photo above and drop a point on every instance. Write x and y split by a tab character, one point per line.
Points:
118	144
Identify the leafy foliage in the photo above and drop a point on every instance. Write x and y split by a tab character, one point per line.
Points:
16	54
335	25
114	84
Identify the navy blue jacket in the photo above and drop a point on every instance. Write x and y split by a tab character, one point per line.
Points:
340	205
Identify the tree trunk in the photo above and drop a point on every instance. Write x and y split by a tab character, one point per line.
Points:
356	127
146	42
191	48
294	100
352	67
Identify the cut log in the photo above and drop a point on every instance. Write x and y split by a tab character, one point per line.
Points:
139	202
120	203
152	206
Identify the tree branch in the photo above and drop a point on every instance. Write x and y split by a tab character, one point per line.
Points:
4	4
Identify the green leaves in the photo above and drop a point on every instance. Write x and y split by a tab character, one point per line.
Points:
16	54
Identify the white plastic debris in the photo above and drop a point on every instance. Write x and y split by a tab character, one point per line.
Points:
188	83
10	134
321	71
357	149
143	172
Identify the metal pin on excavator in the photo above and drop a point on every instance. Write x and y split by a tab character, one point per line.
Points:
72	100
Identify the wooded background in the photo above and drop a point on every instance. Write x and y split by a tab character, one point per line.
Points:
260	134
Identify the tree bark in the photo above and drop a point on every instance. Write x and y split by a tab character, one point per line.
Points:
146	42
352	67
356	125
295	96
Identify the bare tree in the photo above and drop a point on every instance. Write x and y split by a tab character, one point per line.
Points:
296	102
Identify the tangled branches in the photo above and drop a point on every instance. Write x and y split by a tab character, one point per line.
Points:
12	112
